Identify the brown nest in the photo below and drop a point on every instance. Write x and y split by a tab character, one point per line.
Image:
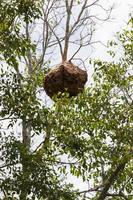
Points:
65	77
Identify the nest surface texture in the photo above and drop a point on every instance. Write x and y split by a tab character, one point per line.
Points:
65	77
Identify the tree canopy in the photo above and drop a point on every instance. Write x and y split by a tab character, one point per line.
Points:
88	136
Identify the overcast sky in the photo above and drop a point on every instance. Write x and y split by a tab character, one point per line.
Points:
120	13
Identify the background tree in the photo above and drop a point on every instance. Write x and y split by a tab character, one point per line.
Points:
89	136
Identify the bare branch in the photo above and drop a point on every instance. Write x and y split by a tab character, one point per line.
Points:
79	16
58	39
90	190
68	9
60	26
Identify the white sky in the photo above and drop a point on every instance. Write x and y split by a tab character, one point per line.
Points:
120	13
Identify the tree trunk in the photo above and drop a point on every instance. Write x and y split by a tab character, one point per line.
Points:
26	128
26	134
111	180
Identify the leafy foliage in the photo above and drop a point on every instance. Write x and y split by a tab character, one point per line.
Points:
14	45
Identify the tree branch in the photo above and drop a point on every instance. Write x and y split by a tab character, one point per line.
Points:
112	179
68	9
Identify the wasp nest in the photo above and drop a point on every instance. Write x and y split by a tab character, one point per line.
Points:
65	77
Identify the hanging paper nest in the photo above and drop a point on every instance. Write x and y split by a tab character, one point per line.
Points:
65	77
